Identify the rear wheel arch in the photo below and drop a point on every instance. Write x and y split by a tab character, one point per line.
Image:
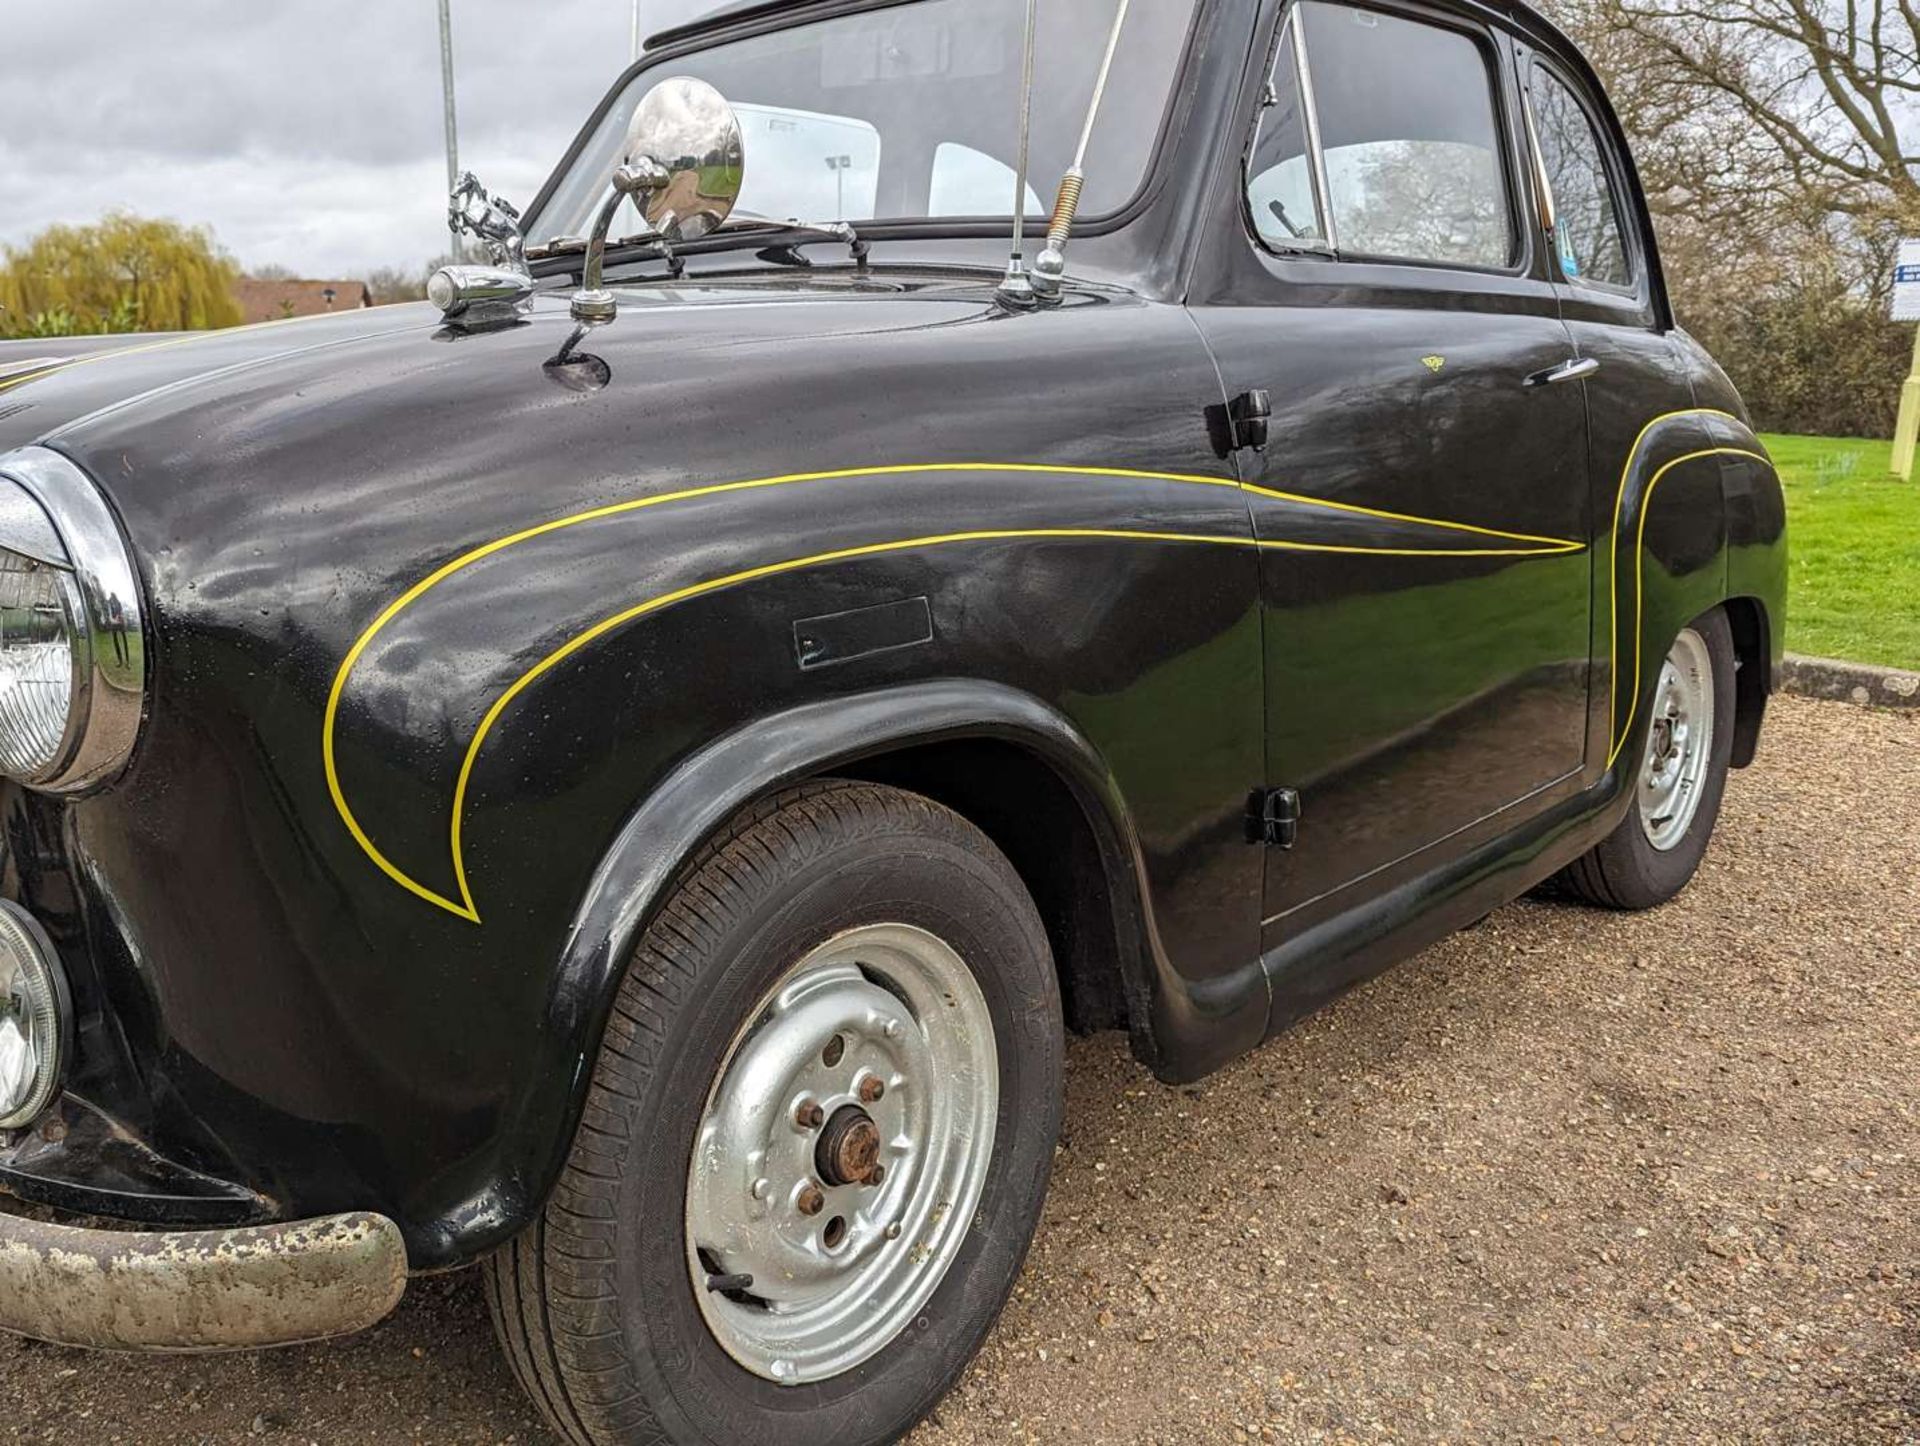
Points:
1752	628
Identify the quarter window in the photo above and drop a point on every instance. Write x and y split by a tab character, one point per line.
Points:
1586	229
1280	181
1396	124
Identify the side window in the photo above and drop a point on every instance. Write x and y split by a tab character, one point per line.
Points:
1586	212
1391	124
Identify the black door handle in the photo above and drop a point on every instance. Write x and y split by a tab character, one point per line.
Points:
1250	413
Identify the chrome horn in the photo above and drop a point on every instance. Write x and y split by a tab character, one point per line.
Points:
682	165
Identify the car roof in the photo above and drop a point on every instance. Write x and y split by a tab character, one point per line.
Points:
735	12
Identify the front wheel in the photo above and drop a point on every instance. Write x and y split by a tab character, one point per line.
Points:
1678	785
816	1144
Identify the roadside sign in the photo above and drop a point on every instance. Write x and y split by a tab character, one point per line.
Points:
1906	282
1906	307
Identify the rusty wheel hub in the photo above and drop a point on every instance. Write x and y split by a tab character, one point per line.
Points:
849	1147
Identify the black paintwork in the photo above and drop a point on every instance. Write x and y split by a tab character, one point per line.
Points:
276	1026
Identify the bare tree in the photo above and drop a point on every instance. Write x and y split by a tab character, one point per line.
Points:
1822	95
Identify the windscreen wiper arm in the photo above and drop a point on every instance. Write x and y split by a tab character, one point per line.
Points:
788	236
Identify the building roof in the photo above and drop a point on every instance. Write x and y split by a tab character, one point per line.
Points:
274	300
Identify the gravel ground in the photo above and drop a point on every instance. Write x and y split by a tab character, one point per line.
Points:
1567	1175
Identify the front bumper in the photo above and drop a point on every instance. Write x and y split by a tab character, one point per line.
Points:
208	1290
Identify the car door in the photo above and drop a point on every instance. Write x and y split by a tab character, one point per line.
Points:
1422	495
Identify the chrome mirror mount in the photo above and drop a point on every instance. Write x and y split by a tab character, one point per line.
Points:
469	292
682	164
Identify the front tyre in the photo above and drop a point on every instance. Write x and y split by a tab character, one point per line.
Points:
1678	785
816	1142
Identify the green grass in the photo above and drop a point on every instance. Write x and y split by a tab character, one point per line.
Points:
1854	536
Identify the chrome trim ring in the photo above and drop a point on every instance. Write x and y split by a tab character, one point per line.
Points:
1679	743
22	934
801	1277
104	613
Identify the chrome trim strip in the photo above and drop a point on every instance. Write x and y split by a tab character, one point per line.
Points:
1310	107
104	601
26	529
23	365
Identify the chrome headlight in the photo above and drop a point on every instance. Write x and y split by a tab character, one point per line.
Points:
72	654
33	1018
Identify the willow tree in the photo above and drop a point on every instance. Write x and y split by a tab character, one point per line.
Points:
123	273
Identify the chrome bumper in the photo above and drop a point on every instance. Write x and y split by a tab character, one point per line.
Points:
207	1290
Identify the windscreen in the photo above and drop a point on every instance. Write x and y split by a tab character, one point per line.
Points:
912	112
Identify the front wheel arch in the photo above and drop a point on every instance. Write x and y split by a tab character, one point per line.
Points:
851	736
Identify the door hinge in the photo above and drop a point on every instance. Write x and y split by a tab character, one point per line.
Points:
1249	415
1280	817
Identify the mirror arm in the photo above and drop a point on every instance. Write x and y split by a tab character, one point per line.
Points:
593	303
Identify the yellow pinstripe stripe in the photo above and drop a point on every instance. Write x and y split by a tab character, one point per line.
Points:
1639	574
464	907
1615	740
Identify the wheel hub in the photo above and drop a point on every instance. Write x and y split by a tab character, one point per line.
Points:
849	1149
842	1153
1679	743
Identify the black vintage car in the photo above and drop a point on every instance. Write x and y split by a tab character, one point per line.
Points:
627	774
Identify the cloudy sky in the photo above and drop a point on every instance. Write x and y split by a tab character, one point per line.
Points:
307	133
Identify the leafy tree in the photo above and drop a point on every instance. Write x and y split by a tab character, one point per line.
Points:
123	273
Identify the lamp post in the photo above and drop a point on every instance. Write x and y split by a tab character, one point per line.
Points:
839	165
446	90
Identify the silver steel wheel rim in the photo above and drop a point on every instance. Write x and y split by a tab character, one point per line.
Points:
916	1056
1679	743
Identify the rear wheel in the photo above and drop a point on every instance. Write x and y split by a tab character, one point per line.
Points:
816	1143
1679	783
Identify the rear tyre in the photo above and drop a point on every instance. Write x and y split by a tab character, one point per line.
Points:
816	1142
1678	784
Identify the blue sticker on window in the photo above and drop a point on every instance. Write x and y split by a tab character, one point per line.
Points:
1569	263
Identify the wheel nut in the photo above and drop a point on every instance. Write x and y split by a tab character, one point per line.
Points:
812	1200
871	1089
809	1115
876	1174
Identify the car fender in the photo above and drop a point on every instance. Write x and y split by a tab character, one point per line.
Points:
670	825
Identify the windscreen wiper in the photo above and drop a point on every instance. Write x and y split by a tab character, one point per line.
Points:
787	237
787	252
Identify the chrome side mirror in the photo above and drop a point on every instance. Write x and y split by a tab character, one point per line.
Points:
683	164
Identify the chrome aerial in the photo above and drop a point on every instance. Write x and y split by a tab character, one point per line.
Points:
842	1153
1679	743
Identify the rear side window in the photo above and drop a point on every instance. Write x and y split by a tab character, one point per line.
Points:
1586	231
1398	141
